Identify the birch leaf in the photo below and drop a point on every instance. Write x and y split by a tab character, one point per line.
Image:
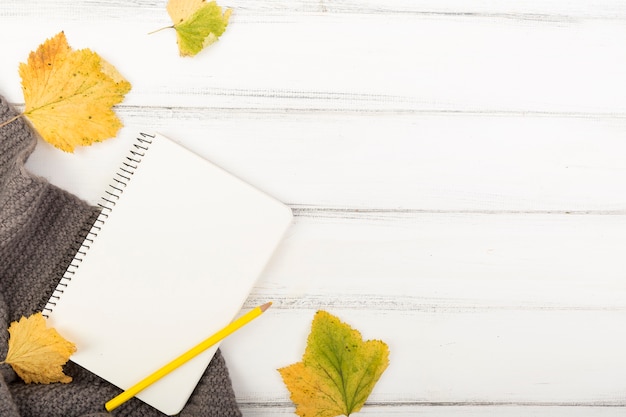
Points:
198	24
37	353
338	369
69	94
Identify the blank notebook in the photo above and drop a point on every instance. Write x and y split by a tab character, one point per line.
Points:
172	258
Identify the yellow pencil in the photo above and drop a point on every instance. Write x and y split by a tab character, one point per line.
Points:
185	357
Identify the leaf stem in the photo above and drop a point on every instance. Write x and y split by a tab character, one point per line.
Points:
12	119
163	28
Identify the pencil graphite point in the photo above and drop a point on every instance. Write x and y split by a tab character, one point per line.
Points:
265	306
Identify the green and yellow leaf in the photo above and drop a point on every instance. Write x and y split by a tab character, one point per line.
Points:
338	369
198	24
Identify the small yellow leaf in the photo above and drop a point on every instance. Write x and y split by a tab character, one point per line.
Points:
338	369
69	94
197	23
37	353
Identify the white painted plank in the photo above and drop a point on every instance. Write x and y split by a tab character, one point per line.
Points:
451	411
561	357
457	263
399	62
533	9
530	9
424	162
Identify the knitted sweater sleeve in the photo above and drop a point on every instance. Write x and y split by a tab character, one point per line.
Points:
41	227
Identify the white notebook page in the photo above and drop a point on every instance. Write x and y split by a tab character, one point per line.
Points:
173	262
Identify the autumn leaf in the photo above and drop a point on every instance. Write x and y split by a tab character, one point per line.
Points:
198	24
69	94
37	353
338	369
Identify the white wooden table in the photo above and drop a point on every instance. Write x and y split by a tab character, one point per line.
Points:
457	171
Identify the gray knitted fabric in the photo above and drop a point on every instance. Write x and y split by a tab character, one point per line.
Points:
41	226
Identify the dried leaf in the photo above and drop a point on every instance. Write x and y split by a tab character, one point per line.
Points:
37	353
197	23
338	369
69	94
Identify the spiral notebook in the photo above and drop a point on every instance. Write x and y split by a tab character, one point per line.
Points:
171	259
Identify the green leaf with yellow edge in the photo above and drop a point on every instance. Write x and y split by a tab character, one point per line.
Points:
69	94
198	24
36	352
338	369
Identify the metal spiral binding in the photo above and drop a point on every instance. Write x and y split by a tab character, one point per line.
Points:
111	195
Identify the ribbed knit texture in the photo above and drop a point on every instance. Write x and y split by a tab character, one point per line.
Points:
41	227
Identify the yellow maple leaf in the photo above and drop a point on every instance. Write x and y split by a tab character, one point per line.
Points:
338	369
37	353
69	94
198	24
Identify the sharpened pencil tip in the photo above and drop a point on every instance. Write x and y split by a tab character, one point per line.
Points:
265	306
